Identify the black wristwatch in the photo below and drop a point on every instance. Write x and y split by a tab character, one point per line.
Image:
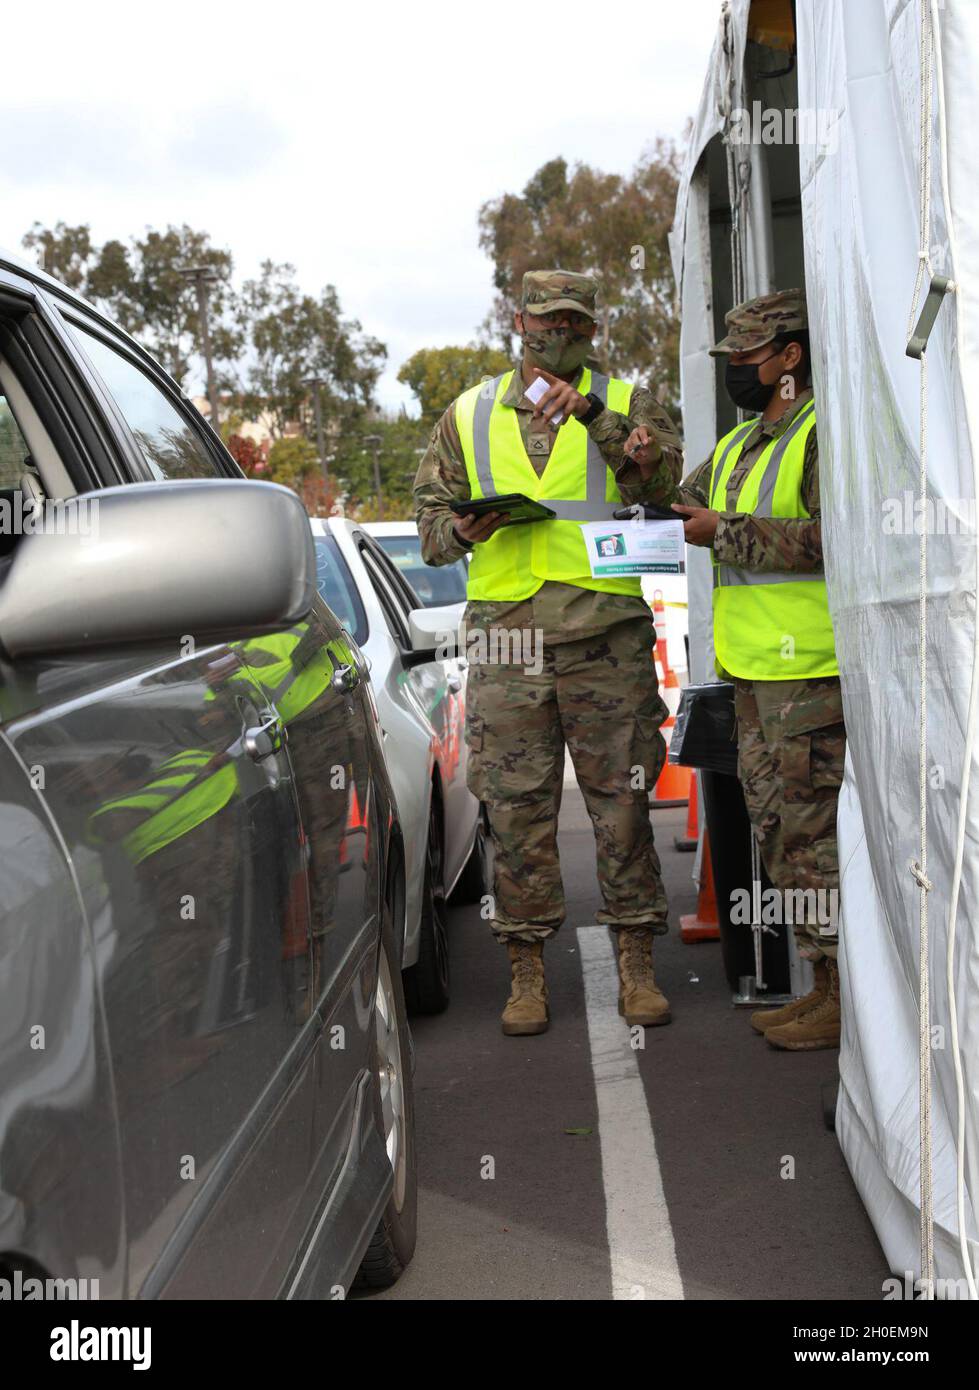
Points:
595	407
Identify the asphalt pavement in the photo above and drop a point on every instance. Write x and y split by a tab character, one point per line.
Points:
575	1166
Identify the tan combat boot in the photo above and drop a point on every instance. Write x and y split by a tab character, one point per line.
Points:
640	999
763	1019
526	1009
818	1027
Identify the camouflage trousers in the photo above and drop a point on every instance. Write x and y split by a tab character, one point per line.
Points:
791	742
599	697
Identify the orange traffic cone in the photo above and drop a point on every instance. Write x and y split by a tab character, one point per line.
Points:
673	784
688	842
703	925
669	681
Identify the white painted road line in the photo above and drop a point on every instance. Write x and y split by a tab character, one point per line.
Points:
640	1237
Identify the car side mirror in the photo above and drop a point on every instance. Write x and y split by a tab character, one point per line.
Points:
213	559
435	633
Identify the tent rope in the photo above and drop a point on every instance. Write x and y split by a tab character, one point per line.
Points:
973	709
919	867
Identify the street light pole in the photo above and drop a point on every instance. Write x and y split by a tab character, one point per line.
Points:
373	441
203	277
314	383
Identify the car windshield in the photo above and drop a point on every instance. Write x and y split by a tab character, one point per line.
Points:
337	588
434	584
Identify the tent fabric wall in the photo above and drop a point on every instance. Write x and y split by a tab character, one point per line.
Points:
860	216
858	76
690	253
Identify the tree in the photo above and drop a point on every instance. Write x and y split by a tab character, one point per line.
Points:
438	375
291	337
291	460
608	225
64	252
403	441
139	285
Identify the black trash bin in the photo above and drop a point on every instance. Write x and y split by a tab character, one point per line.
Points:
705	737
729	829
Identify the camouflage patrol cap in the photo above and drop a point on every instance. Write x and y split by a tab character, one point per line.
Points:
756	322
544	291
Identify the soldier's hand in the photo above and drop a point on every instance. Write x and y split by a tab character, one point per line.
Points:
474	528
643	448
559	396
699	525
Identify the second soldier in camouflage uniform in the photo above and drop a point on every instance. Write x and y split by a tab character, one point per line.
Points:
791	736
594	686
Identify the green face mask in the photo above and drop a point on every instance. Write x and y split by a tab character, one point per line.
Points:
557	350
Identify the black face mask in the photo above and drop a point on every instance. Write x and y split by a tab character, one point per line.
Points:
743	386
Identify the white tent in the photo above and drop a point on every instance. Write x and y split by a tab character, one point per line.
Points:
841	208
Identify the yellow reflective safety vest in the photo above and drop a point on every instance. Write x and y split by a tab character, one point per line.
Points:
576	484
769	626
176	800
274	661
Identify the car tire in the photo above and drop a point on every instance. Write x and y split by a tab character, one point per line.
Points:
426	982
393	1242
476	878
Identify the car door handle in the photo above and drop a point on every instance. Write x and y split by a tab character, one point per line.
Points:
345	679
264	739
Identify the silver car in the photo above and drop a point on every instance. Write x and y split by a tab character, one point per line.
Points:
421	705
205	1074
435	585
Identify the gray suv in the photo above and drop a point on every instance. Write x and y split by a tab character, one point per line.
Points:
205	1077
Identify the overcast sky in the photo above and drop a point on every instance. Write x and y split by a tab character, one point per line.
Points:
357	142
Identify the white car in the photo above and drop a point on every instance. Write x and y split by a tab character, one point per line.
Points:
421	705
435	585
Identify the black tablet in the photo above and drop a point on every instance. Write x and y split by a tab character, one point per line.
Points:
517	507
649	513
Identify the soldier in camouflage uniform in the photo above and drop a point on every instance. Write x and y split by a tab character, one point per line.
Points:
594	688
791	736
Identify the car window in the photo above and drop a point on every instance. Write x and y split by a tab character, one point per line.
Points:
395	609
168	442
434	584
13	448
337	588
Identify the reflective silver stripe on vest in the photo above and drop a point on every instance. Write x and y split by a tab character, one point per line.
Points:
574	509
595	508
766	488
738	437
481	428
595	464
728	574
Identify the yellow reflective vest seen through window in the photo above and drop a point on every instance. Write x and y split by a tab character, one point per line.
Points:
576	483
775	626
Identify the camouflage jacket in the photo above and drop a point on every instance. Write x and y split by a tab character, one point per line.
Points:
772	544
563	612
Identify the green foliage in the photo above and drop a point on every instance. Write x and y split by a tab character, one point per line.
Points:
402	443
13	450
438	375
292	337
139	285
67	252
605	224
291	460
